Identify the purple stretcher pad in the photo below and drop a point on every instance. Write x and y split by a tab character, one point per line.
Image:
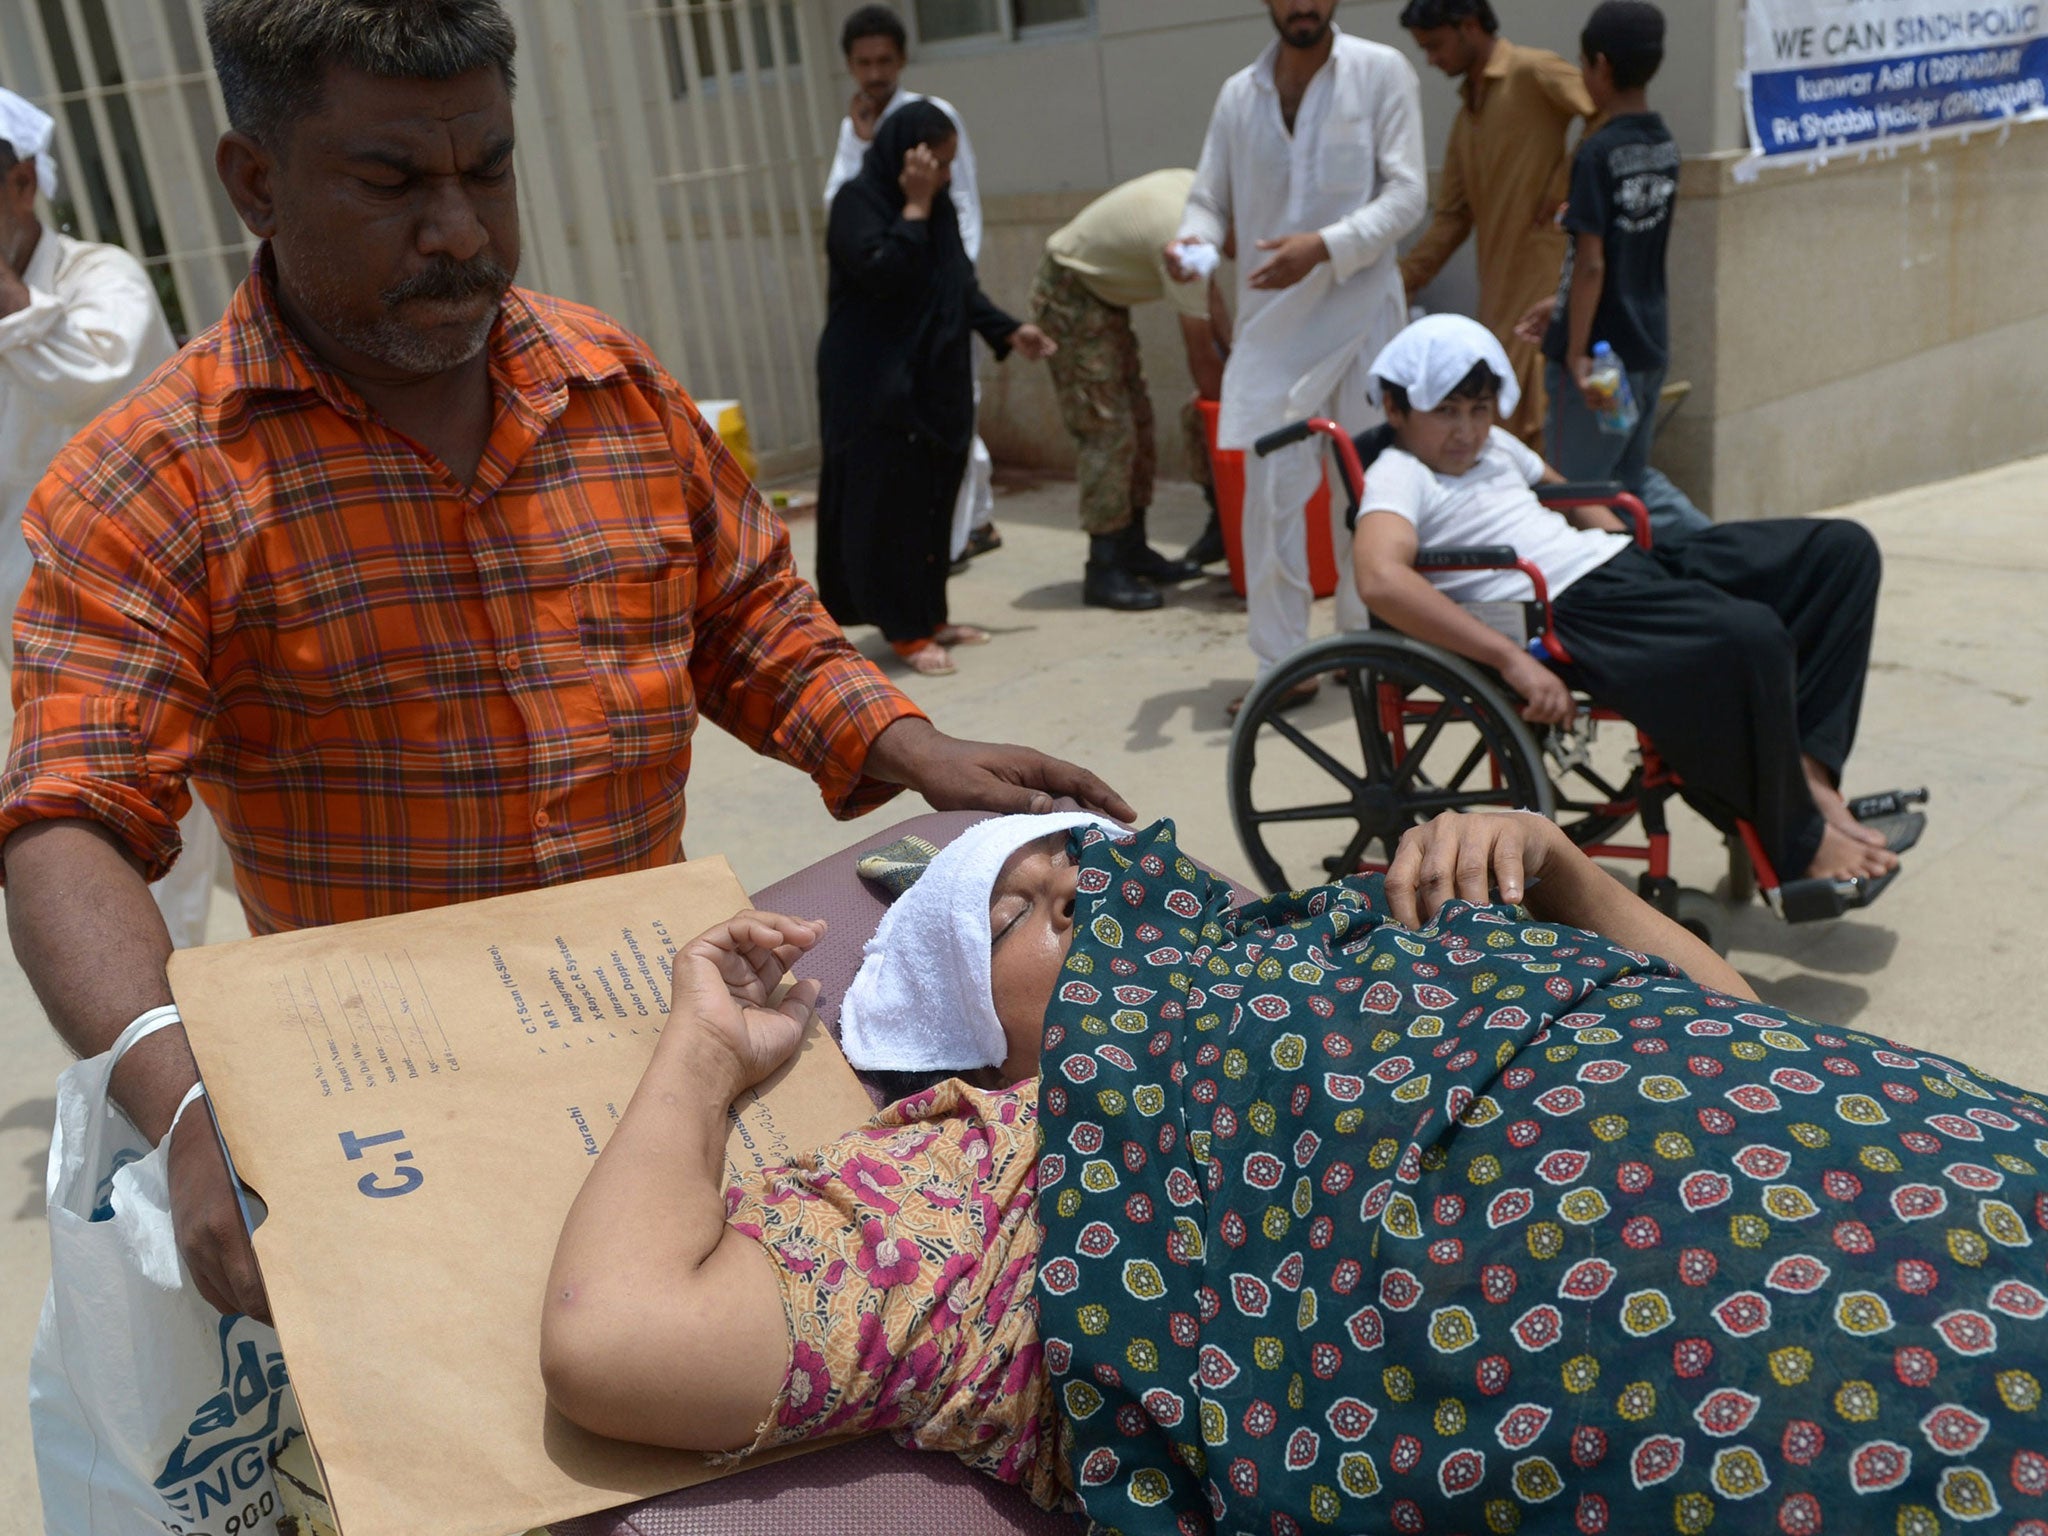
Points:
873	1486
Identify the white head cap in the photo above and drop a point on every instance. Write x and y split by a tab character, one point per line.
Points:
27	131
923	1000
1431	358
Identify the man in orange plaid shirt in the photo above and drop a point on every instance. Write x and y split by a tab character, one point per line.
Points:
422	578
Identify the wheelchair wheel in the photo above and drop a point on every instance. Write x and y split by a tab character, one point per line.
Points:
1705	919
1590	808
1399	732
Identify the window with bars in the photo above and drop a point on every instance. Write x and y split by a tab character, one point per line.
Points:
772	38
76	67
953	21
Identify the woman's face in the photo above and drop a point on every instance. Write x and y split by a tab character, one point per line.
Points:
1031	920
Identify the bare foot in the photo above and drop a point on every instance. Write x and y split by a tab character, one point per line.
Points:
1834	810
961	634
1845	858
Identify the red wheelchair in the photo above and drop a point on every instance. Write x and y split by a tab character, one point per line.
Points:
1317	793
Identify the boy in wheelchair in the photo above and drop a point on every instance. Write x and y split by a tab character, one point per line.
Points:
1740	649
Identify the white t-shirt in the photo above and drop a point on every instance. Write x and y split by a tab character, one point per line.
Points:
1490	503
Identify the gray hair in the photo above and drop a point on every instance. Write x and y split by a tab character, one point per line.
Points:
272	55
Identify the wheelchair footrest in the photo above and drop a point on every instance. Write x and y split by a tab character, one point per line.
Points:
1900	831
1890	803
1816	901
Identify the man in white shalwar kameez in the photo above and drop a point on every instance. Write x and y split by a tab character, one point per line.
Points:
1313	158
80	326
876	48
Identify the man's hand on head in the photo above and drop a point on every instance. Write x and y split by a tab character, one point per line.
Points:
14	294
865	113
956	775
1292	258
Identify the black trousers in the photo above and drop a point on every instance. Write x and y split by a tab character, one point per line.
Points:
1737	648
885	522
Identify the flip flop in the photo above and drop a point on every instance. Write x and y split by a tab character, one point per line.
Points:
961	634
1293	698
929	660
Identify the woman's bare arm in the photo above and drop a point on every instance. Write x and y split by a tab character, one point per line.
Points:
661	1324
1520	854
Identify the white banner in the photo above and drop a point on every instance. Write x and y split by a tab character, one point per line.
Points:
1828	75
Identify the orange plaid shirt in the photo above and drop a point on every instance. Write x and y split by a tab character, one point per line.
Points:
394	691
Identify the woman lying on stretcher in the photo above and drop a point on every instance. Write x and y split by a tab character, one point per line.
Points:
1384	1205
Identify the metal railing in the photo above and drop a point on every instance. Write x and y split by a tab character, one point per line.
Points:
670	159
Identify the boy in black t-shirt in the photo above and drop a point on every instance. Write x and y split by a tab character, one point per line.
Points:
1624	186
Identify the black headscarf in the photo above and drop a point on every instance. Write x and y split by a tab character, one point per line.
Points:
903	130
903	299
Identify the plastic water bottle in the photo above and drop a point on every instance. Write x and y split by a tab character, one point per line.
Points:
1617	412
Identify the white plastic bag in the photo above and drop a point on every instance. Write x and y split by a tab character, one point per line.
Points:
151	1413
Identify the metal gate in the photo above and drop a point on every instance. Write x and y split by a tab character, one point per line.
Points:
671	158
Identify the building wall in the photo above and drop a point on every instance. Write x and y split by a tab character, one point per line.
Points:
1871	325
1086	113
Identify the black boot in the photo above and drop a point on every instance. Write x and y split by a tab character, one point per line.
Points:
1107	581
1208	549
1141	559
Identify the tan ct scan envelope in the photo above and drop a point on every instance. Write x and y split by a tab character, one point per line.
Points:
417	1100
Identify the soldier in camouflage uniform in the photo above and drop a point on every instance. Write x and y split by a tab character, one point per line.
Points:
1096	269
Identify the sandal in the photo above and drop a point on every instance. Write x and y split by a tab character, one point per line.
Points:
927	658
961	634
1293	698
982	540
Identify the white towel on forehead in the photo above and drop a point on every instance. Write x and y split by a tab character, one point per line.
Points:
28	131
1431	358
923	1000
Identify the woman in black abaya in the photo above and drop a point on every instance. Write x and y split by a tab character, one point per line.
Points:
896	389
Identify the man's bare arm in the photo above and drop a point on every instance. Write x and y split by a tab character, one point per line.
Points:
94	946
1448	229
1589	280
1383	555
1205	359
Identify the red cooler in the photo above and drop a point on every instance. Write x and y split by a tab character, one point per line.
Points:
1228	466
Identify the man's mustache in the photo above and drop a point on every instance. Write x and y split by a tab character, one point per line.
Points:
449	281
